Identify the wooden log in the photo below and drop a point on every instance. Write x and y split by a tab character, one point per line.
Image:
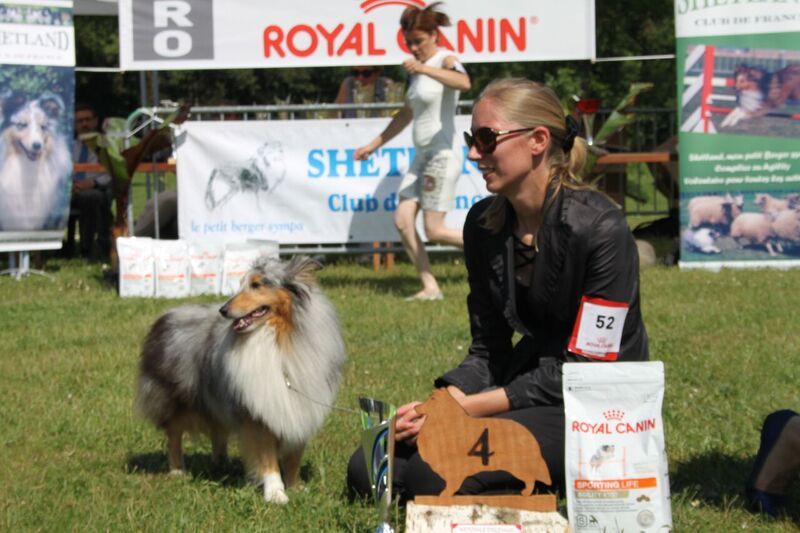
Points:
539	502
436	519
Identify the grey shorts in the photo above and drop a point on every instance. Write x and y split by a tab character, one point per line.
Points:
431	180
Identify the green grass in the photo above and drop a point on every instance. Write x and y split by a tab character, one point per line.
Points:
74	457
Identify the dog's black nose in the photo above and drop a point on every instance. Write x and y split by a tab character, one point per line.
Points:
224	311
37	146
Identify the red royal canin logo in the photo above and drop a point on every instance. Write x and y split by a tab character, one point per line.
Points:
360	39
369	5
614	424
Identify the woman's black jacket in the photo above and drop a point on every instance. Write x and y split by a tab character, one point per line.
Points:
585	248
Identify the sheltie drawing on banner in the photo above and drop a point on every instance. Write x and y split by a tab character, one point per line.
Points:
257	175
34	161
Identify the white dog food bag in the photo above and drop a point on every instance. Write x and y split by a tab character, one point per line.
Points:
266	247
172	268
136	267
238	258
206	260
616	460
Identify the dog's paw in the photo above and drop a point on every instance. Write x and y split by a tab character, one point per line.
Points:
275	495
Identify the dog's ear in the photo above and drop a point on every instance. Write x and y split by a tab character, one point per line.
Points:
301	269
3	97
11	102
300	275
52	104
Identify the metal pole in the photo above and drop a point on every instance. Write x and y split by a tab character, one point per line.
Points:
143	101
153	160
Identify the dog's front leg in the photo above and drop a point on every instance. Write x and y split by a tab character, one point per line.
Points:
219	443
174	428
291	466
260	453
733	118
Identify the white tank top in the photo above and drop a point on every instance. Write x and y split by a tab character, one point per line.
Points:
434	108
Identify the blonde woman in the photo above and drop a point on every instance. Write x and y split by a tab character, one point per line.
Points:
548	258
435	79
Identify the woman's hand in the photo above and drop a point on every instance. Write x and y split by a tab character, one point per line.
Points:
408	423
365	151
413	66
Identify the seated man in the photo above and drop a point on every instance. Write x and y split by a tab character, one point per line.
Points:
777	463
91	192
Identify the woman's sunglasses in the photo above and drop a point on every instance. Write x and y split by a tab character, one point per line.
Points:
485	139
365	73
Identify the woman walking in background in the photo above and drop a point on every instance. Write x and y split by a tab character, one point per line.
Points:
435	80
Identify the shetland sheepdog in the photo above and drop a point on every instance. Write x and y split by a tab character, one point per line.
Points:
35	163
265	366
759	92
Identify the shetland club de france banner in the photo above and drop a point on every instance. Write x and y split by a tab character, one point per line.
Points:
37	87
282	180
738	66
211	34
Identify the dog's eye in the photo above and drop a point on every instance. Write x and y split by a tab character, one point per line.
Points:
21	125
255	285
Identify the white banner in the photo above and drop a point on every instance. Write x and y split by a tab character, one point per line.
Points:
296	182
694	18
209	34
37	33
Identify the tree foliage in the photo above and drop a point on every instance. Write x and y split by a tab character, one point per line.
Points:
624	28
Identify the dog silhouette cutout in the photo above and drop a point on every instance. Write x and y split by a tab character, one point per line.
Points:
456	445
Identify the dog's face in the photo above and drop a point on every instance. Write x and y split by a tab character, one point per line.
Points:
268	294
31	127
747	79
258	303
606	450
271	162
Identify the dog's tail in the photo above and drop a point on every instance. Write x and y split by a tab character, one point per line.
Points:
153	401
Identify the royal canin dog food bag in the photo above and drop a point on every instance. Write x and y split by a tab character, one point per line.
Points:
238	258
616	460
206	261
136	267
172	269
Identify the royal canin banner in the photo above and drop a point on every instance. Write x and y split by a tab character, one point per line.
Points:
222	34
283	181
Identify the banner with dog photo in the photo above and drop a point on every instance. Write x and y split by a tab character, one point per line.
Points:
738	71
296	181
37	87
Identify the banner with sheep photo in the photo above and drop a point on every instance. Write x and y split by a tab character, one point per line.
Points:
37	88
738	69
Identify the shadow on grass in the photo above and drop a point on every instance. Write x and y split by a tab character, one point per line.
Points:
717	480
388	284
202	466
392	282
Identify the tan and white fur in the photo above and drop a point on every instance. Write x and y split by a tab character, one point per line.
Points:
759	92
35	161
265	366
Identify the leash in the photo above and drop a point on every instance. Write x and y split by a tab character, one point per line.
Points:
309	398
